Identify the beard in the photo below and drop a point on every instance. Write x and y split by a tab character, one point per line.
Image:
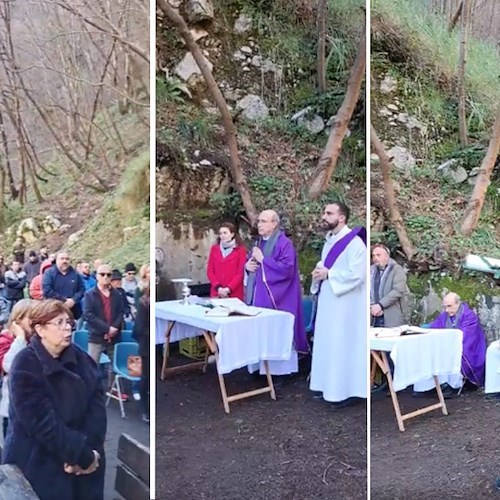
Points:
329	226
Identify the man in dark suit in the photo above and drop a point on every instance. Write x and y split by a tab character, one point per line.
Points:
103	312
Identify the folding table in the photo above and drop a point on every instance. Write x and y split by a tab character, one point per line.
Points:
417	358
235	341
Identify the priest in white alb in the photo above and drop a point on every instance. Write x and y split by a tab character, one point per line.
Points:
339	357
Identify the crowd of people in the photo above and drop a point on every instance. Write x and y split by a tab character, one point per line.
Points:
268	276
53	392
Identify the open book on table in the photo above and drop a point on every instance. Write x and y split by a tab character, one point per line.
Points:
398	331
229	307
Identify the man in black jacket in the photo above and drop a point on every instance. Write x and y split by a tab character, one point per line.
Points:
103	312
63	283
15	281
32	267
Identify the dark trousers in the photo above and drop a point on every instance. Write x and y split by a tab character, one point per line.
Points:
5	424
144	391
378	322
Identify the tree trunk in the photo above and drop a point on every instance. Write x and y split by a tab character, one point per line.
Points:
5	142
390	194
476	201
455	17
227	120
462	121
328	161
321	24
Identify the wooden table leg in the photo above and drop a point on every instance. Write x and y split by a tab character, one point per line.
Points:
207	355
269	380
166	350
440	395
395	403
213	347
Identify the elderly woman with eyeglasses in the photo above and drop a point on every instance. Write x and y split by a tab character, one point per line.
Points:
57	412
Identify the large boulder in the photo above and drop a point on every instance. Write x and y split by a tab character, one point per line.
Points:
28	230
453	171
402	159
199	10
309	120
388	85
50	224
188	67
242	24
253	108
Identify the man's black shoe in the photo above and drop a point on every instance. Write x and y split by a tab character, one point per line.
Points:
423	394
377	388
449	392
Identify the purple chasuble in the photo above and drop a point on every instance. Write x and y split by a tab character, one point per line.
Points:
281	271
474	343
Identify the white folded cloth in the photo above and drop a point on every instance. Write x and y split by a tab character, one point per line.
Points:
418	357
492	382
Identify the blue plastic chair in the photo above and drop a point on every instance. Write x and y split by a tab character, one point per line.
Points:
307	312
126	336
81	339
122	351
128	325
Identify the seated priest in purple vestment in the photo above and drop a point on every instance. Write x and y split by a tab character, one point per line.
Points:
273	282
457	314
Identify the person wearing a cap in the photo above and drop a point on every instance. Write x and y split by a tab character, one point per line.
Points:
32	267
116	283
129	284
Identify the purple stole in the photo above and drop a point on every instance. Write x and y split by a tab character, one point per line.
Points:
341	245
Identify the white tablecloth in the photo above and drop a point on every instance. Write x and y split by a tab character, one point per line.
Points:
418	357
492	382
242	340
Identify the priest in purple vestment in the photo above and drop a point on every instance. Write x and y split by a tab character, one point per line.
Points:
273	275
457	314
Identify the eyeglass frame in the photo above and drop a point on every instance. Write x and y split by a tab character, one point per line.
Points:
59	324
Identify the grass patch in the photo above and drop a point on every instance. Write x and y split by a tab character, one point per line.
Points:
469	286
427	39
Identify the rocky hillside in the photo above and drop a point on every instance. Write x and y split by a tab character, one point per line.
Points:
263	56
414	110
90	224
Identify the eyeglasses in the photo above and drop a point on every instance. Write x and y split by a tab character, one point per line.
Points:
62	323
108	275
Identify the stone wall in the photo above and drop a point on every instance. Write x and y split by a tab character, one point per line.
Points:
488	310
184	251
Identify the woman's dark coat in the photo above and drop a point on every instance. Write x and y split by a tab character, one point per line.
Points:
57	415
141	327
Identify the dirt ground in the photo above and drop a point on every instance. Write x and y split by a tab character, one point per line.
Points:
295	448
437	457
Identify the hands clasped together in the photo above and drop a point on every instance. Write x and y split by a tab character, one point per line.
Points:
376	310
76	469
111	333
320	273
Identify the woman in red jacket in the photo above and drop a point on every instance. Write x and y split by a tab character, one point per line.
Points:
226	264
